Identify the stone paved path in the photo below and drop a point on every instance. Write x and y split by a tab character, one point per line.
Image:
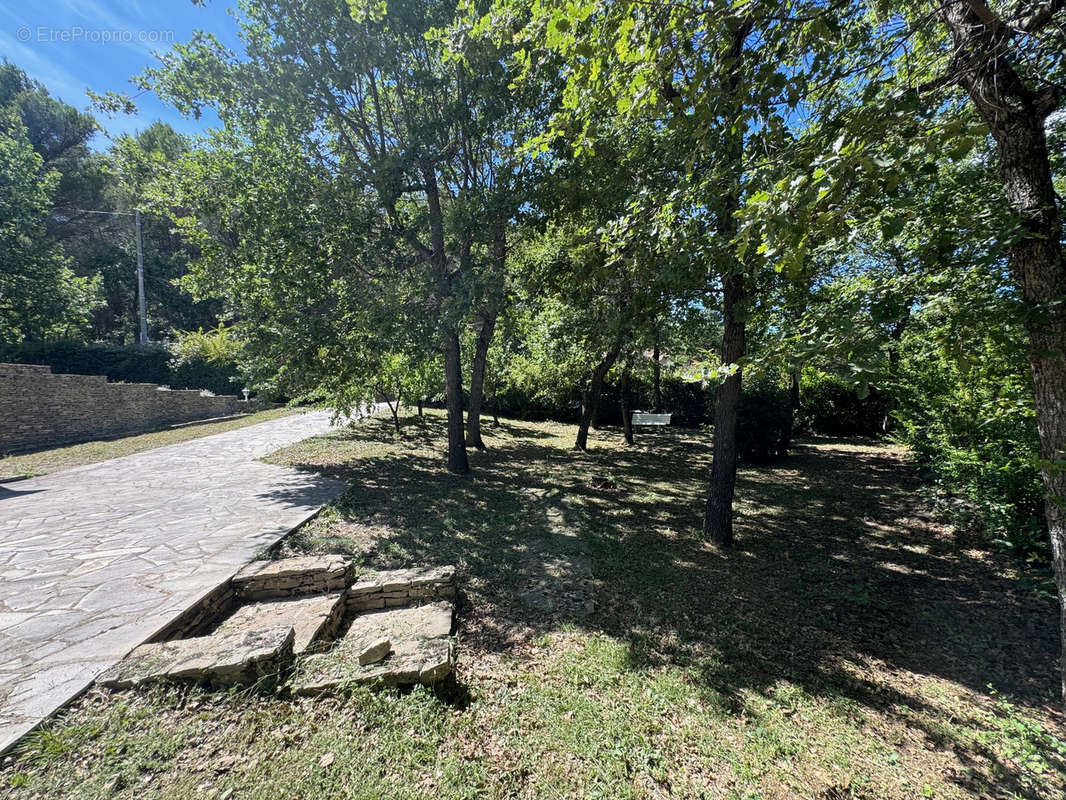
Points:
96	559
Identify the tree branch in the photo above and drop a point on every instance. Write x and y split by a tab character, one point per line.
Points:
1036	18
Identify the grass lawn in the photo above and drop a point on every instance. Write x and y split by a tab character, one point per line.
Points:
849	646
45	461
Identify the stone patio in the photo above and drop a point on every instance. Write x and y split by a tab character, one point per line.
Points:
97	559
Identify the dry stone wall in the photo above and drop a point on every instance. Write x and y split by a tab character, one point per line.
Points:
39	409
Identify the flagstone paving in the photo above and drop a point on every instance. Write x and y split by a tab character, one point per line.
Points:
95	560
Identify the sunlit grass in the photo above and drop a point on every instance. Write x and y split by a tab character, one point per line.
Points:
844	648
45	461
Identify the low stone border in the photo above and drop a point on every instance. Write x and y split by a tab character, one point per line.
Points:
292	577
401	587
271	612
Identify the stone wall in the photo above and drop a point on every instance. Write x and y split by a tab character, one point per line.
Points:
39	409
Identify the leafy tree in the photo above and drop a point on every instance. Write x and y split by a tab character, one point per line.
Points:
382	107
723	79
40	296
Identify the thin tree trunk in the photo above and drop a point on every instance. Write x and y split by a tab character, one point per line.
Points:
718	517
895	337
1016	115
484	341
627	414
590	395
477	381
656	377
453	375
793	407
419	404
394	408
453	372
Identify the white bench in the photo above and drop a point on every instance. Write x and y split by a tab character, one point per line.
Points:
647	418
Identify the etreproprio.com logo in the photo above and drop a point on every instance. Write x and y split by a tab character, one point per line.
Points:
76	33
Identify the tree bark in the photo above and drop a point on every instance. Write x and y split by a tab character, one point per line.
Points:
590	395
453	372
1016	115
793	407
718	517
656	377
394	408
477	381
453	376
627	413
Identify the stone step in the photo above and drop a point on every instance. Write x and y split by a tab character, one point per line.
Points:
314	619
421	651
221	660
292	577
401	587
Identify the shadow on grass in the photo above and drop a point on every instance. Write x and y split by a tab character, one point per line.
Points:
838	578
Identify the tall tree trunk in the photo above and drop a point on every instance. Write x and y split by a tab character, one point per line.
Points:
453	377
656	376
590	394
627	413
1016	115
718	517
477	381
453	371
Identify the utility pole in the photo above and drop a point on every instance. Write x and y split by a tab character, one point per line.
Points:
142	305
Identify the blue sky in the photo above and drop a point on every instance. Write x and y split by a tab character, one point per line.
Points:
71	45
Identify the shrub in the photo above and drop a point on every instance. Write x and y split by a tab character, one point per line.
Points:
200	361
129	363
764	422
830	406
207	360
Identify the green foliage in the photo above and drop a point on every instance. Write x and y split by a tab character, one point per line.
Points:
40	296
764	421
207	360
1022	740
832	406
128	363
967	412
200	361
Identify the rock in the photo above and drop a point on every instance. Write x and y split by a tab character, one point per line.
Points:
401	587
221	660
421	651
437	661
314	619
292	577
375	651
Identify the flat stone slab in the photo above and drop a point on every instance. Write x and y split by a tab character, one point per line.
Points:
421	651
95	560
221	659
401	587
313	619
292	577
